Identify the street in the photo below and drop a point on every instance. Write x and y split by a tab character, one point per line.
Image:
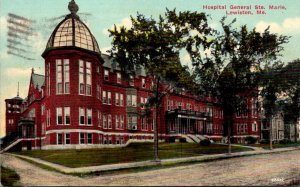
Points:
268	169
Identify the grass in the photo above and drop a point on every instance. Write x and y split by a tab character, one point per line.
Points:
9	177
133	153
277	145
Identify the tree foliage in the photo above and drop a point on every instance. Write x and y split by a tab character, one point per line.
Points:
156	45
233	69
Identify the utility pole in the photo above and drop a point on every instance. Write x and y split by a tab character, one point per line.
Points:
229	141
271	133
155	116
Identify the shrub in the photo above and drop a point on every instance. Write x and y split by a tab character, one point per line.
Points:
264	141
171	139
205	142
251	140
182	140
285	141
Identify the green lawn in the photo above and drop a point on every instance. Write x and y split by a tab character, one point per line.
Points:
9	177
132	153
277	145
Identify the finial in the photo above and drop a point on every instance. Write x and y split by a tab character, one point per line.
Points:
32	71
18	90
73	7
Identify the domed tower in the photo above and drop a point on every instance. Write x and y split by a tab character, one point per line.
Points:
72	81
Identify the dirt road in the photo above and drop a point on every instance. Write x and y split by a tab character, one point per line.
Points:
270	169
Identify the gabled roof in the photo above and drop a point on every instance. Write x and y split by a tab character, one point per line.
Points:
110	63
38	80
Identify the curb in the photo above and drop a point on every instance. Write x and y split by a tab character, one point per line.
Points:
114	167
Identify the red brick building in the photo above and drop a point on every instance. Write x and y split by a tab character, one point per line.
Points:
82	101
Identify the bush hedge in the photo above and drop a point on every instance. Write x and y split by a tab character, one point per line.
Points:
251	139
205	142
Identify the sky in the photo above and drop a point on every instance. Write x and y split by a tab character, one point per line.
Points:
100	15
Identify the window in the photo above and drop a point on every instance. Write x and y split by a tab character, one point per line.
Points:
143	102
117	121
121	121
109	140
89	138
189	106
89	116
117	99
109	98
67	139
43	128
132	122
104	140
10	121
67	76
169	106
254	127
117	140
209	111
67	115
81	77
106	75
62	77
104	121
104	98
48	78
144	123
99	119
119	78
59	139
85	78
59	77
131	100
195	107
143	83
98	92
109	121
131	80
121	99
82	137
254	107
43	110
81	116
48	117
59	116
88	79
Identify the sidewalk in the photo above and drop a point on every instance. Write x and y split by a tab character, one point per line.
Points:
89	169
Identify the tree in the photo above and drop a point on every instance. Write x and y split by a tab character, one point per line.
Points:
156	45
234	64
291	75
271	85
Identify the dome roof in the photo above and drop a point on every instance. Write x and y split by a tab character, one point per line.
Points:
72	32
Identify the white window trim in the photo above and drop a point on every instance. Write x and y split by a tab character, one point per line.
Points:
79	138
65	138
87	115
62	142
